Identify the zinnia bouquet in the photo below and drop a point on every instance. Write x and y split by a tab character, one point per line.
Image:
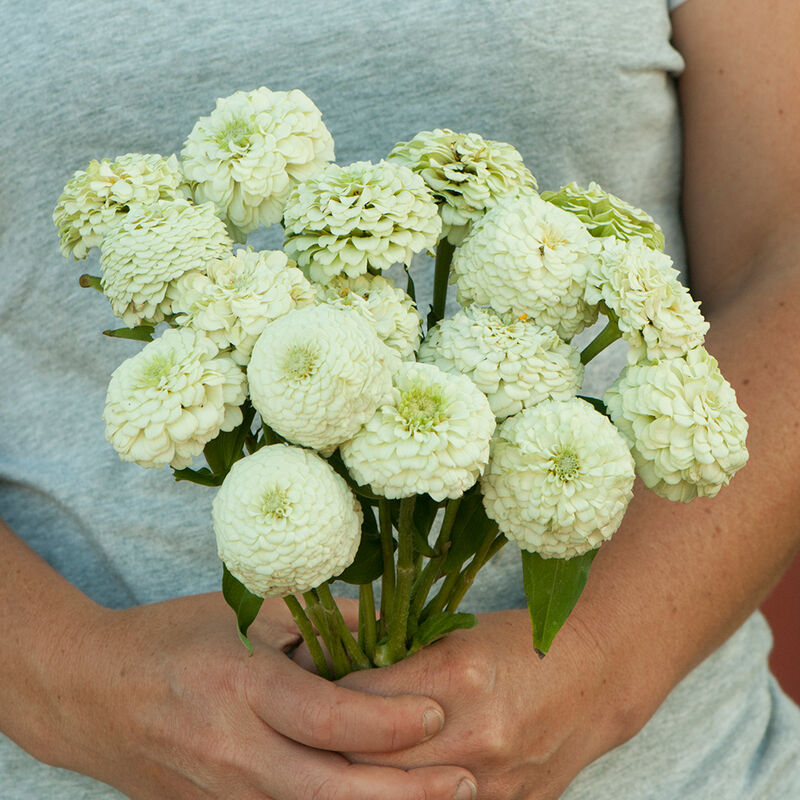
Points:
349	441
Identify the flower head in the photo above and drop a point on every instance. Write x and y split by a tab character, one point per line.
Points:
97	198
656	313
153	246
317	375
433	436
605	214
388	308
349	219
466	174
238	297
559	479
285	521
686	430
165	403
248	154
529	257
513	361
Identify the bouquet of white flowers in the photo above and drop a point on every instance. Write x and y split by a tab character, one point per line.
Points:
346	443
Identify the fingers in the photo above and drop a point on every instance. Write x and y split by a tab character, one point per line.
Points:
328	776
323	715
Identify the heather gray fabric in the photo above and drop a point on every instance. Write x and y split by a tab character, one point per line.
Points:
582	87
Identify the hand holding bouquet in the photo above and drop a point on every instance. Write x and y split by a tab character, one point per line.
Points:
346	444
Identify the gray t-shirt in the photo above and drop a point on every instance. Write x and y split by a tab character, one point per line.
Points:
584	89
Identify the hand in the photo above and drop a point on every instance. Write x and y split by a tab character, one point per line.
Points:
162	701
525	727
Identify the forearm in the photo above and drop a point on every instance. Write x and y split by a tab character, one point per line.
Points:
43	619
677	579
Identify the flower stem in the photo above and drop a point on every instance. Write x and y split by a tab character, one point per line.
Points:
398	622
339	627
441	276
490	545
607	336
341	666
367	633
387	549
309	637
431	570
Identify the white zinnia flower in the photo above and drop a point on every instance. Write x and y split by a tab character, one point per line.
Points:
348	219
238	296
285	521
432	437
559	479
686	430
317	375
251	151
97	198
466	174
514	362
153	246
387	307
529	257
165	403
605	214
657	315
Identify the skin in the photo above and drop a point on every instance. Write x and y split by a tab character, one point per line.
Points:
677	580
197	719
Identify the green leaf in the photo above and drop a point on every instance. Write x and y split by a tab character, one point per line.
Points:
469	531
596	402
244	603
552	586
227	447
142	333
362	492
203	476
438	625
367	566
411	290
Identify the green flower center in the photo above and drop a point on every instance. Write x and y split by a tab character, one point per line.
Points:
300	361
565	465
275	503
156	370
421	408
235	134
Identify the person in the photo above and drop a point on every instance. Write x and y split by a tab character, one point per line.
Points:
120	670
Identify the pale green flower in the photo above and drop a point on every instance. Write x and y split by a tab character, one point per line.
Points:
248	154
605	214
466	174
176	394
686	430
238	297
153	246
97	198
346	220
285	521
529	257
431	437
559	479
513	361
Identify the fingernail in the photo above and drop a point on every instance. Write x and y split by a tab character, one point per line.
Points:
433	722
466	791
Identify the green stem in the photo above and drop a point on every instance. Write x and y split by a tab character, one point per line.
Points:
439	601
341	666
367	633
491	544
607	336
309	637
441	276
387	549
398	623
431	571
337	624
